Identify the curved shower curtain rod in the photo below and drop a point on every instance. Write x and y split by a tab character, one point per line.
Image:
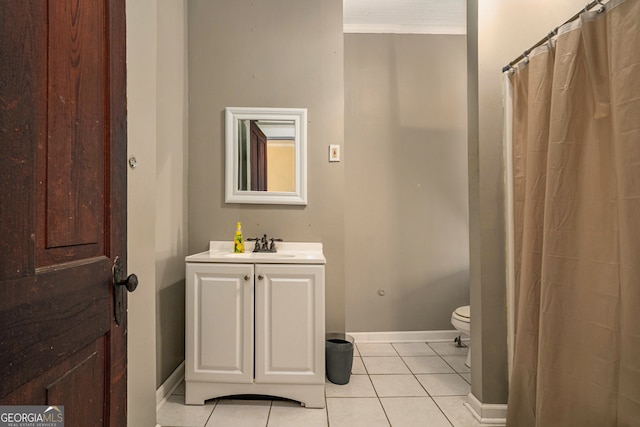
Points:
526	53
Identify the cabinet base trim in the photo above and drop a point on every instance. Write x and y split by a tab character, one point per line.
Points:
310	395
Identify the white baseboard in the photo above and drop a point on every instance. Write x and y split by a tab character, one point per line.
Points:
486	413
167	387
404	336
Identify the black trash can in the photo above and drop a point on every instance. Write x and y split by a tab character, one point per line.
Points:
339	357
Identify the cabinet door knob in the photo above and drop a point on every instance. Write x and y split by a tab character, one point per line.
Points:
247	277
260	277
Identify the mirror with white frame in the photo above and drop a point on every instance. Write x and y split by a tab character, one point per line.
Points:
266	160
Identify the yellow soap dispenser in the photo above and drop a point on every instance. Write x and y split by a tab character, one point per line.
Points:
238	241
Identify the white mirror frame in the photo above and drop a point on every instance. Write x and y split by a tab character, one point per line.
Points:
232	117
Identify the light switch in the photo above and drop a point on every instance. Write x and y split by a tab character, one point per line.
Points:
334	153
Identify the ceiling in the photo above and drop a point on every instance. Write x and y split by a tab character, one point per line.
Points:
405	16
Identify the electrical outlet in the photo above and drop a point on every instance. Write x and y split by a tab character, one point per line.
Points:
334	153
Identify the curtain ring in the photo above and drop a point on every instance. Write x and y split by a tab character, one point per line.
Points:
599	3
550	37
525	56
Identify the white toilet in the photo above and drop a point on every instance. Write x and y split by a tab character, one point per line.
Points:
461	320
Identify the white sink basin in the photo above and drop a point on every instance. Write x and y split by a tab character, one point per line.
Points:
258	255
288	253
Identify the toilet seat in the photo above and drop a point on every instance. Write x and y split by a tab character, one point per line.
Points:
462	314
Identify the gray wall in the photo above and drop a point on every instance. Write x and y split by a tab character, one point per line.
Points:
141	193
280	53
171	182
406	214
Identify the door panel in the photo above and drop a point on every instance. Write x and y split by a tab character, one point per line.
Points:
45	322
289	326
77	381
258	144
63	206
23	51
73	170
220	322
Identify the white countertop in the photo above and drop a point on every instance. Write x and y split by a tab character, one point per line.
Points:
287	253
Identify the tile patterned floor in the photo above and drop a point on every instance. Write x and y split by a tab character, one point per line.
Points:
392	384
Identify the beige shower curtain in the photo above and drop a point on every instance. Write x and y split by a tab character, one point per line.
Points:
576	176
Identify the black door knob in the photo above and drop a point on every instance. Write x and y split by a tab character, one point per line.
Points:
131	282
119	299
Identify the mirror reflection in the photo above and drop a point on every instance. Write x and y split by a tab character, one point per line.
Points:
266	155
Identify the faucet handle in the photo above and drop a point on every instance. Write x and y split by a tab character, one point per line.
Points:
272	246
256	248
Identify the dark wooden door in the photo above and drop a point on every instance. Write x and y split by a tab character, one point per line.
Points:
62	206
258	158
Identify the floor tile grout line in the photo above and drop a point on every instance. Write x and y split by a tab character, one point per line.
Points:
463	378
414	375
451	366
377	395
269	413
427	391
215	405
443	413
374	387
432	397
384	412
419	382
326	407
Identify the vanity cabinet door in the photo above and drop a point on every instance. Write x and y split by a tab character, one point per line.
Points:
219	341
289	324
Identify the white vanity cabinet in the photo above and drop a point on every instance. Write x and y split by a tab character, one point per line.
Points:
255	325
